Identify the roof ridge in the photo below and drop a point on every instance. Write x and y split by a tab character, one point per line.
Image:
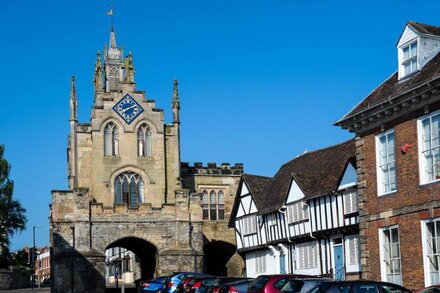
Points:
421	23
317	150
257	176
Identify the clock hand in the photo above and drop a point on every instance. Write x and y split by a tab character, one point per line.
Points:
126	109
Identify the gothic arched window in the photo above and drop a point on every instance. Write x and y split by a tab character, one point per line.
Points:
213	205
129	189
144	141
111	140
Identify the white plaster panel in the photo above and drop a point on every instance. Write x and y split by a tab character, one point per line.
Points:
244	189
246	202
295	192
408	35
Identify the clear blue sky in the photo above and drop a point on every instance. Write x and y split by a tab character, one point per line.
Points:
259	81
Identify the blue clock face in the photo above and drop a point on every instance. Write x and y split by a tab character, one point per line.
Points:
128	108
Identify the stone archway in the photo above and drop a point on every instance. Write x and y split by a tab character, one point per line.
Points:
145	254
217	256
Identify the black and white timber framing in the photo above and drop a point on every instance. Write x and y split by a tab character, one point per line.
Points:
298	229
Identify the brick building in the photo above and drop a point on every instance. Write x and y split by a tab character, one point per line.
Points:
398	164
42	265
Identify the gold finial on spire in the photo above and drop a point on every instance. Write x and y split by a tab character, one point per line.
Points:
110	12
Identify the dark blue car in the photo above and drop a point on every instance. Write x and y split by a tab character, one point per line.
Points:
151	286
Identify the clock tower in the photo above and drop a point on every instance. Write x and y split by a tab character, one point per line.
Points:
129	189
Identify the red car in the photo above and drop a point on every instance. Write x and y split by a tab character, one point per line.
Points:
272	283
430	289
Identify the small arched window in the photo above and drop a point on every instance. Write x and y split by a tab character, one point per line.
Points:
111	140
205	205
129	189
144	141
213	205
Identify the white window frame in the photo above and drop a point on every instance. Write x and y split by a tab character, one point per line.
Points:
250	225
427	251
410	58
381	190
260	262
307	254
297	212
350	202
353	254
383	255
424	177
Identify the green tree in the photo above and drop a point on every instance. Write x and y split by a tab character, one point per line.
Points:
21	260
12	214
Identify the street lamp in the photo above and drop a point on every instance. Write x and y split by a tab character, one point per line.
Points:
33	254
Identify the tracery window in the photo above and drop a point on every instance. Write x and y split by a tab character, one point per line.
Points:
213	205
129	189
144	141
111	140
114	78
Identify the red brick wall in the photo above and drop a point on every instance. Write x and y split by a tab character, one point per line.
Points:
409	191
409	194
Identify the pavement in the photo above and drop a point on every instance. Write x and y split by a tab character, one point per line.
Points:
129	288
28	290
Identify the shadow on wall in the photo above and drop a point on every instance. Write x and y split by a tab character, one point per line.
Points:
14	279
73	271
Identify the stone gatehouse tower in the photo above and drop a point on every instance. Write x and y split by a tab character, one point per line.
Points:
128	188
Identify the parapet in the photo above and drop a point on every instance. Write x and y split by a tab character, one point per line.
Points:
211	169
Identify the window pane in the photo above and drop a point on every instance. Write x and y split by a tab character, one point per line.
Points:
205	212
221	212
213	213
406	53
118	198
212	197
221	197
133	194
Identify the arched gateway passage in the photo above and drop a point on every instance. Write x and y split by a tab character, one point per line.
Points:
217	255
144	256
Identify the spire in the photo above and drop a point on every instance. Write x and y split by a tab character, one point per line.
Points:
73	100
113	38
129	68
97	78
176	103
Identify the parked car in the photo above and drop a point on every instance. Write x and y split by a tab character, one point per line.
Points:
185	283
430	289
200	284
152	286
358	286
302	285
239	286
272	283
174	280
215	287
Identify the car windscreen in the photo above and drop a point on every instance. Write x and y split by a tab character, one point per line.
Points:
259	283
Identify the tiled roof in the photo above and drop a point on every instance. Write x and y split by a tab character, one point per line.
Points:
317	173
258	186
424	28
392	87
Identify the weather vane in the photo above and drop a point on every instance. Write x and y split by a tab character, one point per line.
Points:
110	12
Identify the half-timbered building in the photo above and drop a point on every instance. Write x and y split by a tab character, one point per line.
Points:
302	220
